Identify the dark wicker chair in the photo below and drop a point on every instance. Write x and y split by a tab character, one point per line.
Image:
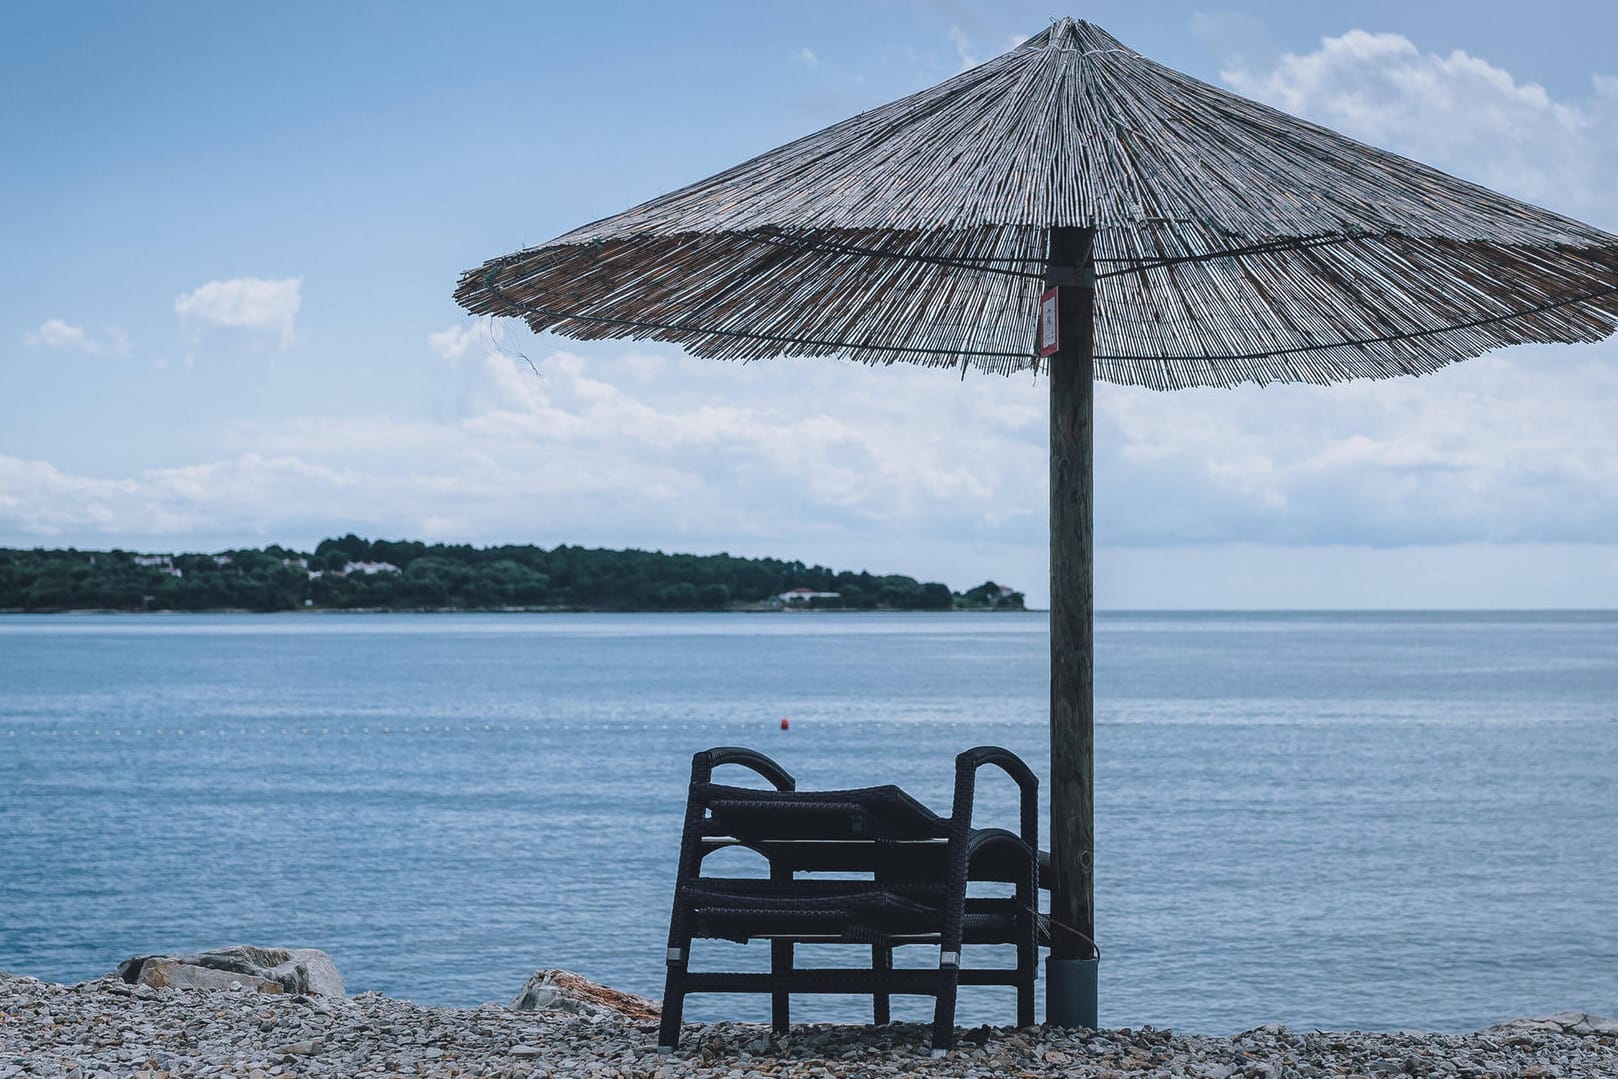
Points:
915	867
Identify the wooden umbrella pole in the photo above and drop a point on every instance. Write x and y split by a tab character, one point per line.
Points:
1071	980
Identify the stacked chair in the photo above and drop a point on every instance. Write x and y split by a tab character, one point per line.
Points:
902	877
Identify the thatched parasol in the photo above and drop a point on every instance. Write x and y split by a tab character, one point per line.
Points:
1192	237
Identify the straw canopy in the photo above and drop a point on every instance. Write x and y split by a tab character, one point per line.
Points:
1232	242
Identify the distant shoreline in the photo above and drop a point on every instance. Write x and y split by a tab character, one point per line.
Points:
167	612
355	574
1187	612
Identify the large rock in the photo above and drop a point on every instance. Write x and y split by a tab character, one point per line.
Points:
1581	1023
565	991
268	970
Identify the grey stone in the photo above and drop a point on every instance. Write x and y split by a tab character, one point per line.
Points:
564	991
298	1049
51	1030
268	970
163	972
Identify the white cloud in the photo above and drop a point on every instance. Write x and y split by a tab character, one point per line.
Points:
1511	448
54	333
716	435
963	47
1458	112
818	460
806	57
248	303
1259	576
454	342
249	496
907	470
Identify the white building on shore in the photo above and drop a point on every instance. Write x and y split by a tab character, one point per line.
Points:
801	597
163	563
370	569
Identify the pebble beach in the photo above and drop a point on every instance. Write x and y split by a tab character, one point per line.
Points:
109	1028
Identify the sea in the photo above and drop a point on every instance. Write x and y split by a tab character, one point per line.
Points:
1328	820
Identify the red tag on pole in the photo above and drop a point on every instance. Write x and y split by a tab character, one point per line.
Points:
1049	329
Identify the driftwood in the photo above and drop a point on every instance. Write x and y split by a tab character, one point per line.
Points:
1234	243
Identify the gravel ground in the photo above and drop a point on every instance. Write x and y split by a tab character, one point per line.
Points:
107	1028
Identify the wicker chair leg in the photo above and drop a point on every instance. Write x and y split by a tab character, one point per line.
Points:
1027	953
1025	997
881	962
944	1016
668	1030
780	1001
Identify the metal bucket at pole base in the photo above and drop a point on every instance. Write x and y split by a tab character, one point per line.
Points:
1070	992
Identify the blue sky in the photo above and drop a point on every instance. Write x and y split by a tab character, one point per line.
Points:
232	233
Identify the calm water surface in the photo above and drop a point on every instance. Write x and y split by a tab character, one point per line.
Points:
1328	820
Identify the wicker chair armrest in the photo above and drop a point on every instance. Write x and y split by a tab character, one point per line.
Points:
967	765
703	764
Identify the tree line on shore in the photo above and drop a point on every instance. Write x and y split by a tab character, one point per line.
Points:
355	573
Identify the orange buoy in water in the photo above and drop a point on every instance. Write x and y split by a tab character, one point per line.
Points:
784	724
